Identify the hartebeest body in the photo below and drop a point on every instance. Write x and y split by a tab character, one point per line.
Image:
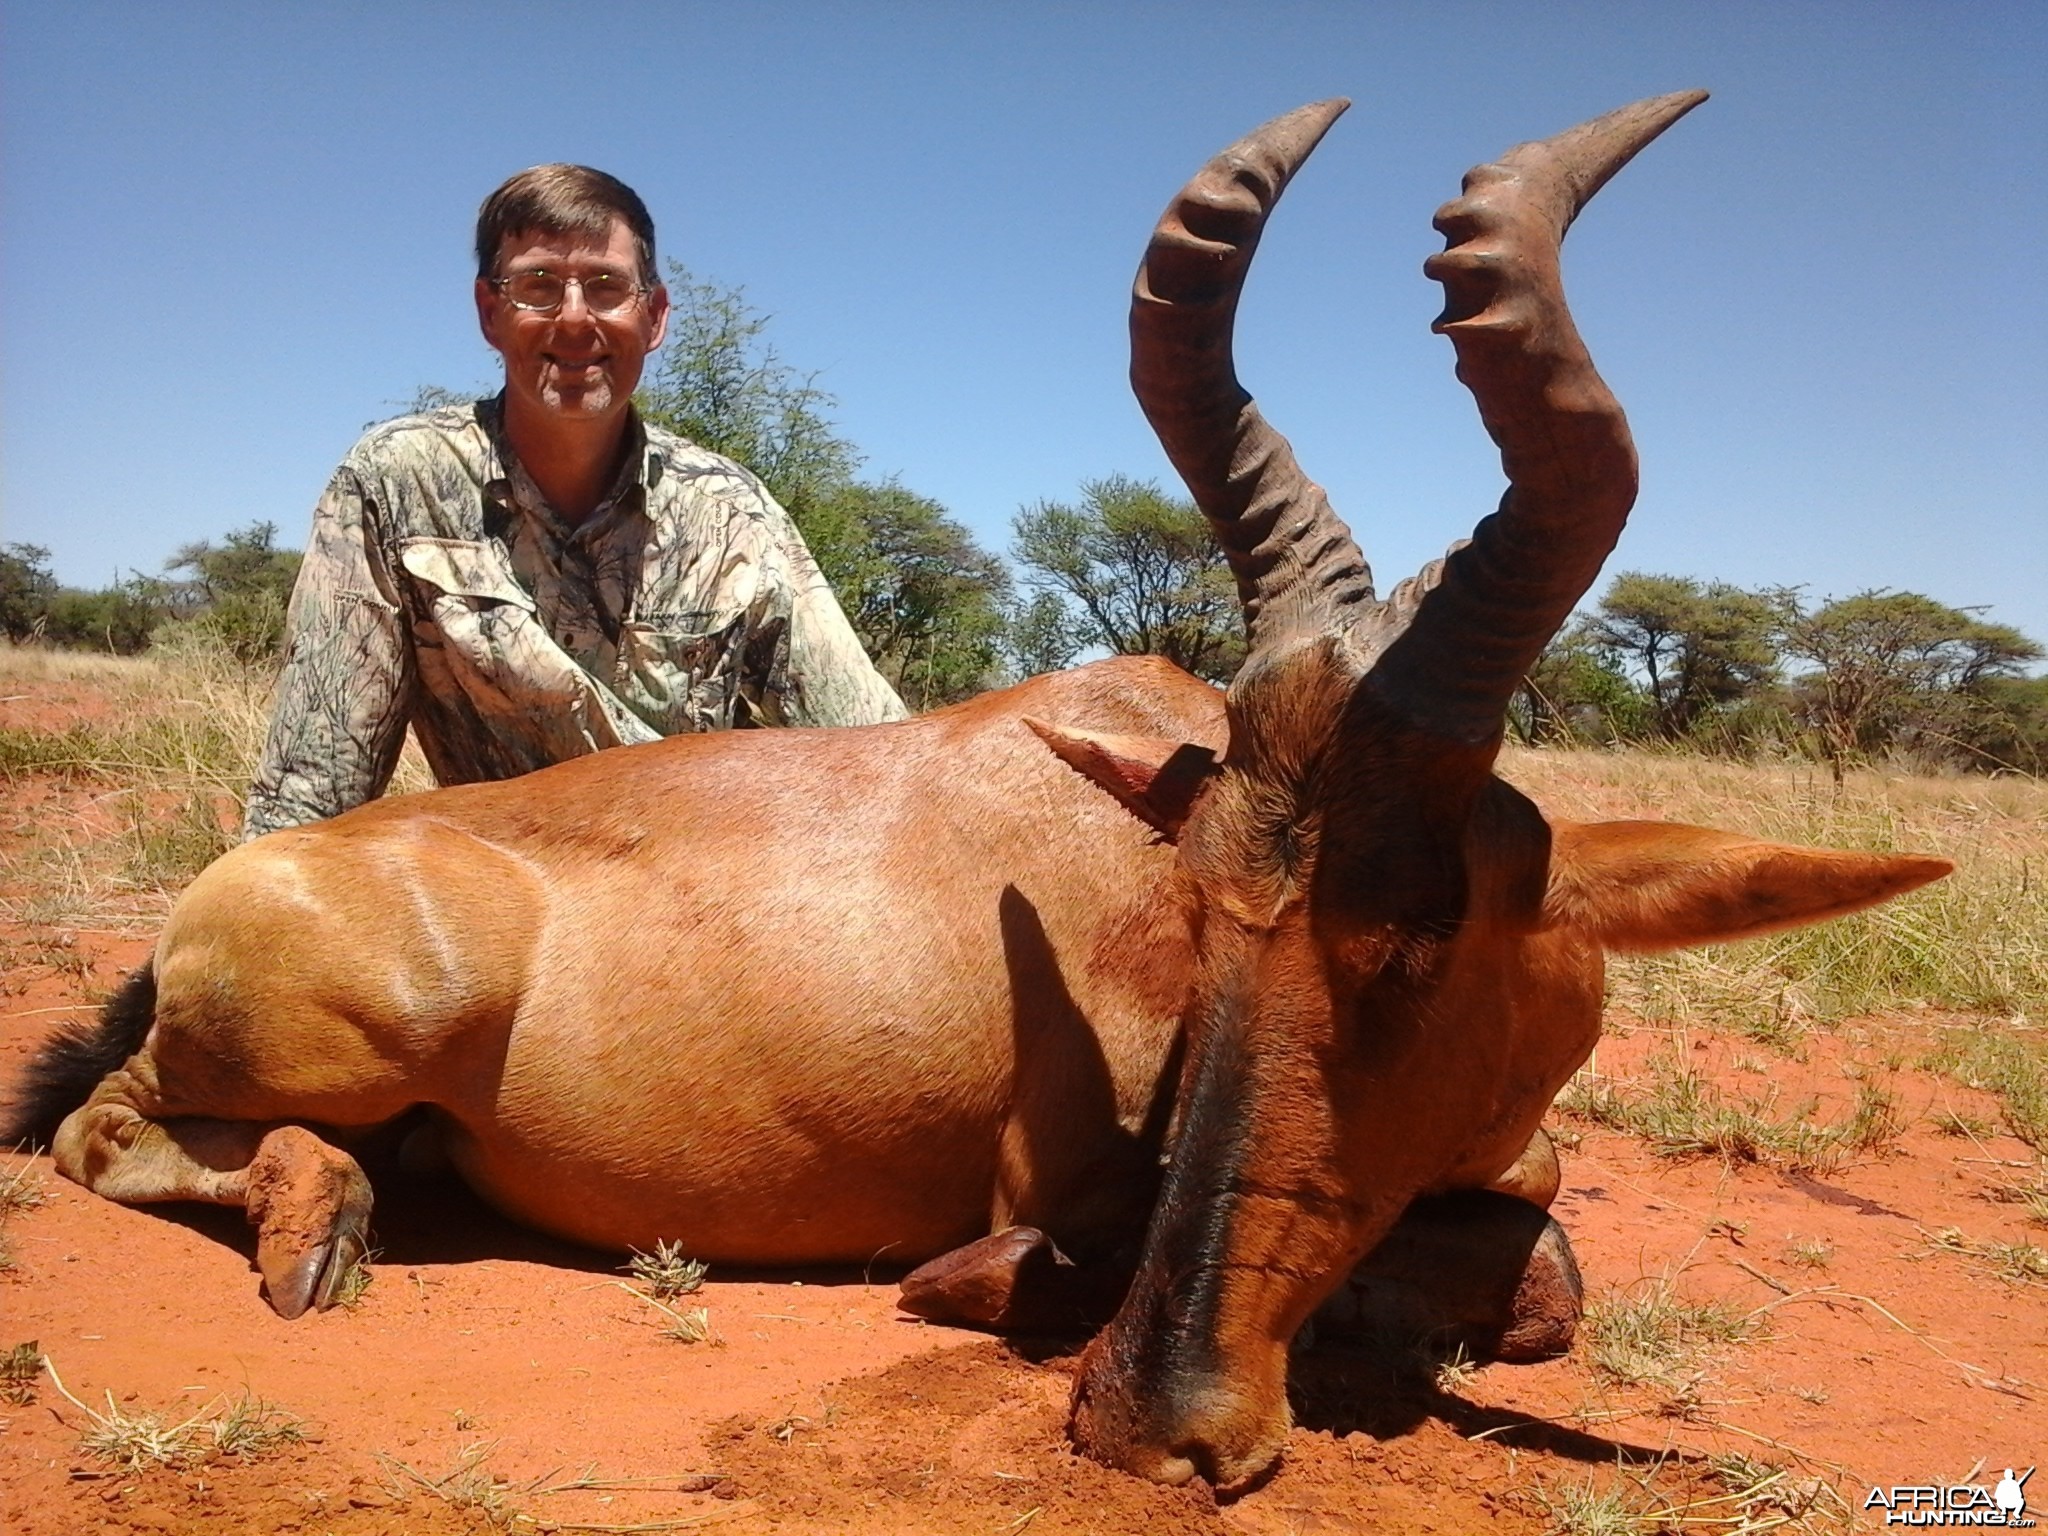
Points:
799	996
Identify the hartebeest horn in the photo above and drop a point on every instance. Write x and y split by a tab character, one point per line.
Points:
1295	562
1471	625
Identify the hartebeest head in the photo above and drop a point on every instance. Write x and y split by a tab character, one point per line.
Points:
1399	959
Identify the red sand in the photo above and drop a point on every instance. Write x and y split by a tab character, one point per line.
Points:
821	1409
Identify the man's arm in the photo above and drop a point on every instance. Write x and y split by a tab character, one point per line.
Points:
805	665
338	717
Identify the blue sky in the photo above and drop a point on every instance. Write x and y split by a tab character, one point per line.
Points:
230	235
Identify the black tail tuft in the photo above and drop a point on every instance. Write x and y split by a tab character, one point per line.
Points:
69	1065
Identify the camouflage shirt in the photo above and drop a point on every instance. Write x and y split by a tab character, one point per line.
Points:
441	591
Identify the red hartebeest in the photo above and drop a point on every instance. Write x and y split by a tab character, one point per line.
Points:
792	997
1398	959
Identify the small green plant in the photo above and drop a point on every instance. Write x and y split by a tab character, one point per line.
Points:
1648	1335
356	1280
2001	1059
2014	1263
1681	1114
1956	1123
19	1368
62	953
69	754
1810	1252
666	1272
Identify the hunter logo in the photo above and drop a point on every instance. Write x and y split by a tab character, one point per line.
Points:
2003	1504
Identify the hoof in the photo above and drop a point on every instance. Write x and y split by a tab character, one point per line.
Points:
1545	1312
1485	1272
310	1205
1015	1280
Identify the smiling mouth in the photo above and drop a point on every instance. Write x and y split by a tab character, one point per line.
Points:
577	365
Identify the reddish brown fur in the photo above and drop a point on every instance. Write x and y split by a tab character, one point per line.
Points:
788	997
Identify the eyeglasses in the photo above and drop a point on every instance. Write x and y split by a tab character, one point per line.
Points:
542	292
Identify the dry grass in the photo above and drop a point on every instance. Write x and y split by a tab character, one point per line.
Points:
1646	1334
20	1368
502	1504
246	1428
167	762
2014	1263
1681	1113
1733	1495
2003	1058
466	1486
1976	942
21	1189
686	1326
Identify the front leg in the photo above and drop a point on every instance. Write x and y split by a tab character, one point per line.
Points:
1016	1281
1479	1270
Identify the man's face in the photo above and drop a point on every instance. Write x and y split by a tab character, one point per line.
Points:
573	363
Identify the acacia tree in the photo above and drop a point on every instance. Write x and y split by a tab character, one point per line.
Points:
26	586
1040	634
1138	571
1698	648
721	383
1575	692
1898	669
234	593
925	599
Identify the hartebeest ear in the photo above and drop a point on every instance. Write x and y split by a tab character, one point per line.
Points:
1660	885
1156	780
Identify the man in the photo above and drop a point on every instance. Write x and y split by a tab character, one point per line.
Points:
541	575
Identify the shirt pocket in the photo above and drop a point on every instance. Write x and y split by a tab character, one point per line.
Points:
461	568
681	671
484	627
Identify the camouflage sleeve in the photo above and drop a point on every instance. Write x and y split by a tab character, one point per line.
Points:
812	670
338	717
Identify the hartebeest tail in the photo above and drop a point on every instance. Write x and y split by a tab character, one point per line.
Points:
69	1065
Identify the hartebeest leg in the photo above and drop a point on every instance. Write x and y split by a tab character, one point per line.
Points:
1484	1270
1536	1175
308	1201
1016	1281
1481	1271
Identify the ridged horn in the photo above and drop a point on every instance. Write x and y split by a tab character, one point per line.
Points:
1296	565
1475	622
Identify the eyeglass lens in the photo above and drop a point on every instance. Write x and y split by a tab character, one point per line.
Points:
604	293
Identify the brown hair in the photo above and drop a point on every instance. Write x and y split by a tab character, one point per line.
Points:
562	200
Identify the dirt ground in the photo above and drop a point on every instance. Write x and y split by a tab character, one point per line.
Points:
492	1379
